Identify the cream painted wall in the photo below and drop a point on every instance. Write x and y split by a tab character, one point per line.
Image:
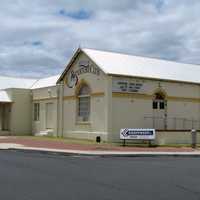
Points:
68	126
40	125
174	137
97	83
112	111
97	124
128	113
171	88
179	110
20	116
44	96
44	93
183	101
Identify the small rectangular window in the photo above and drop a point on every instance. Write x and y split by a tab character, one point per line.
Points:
36	111
162	105
155	105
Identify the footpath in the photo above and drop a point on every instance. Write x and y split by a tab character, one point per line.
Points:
73	147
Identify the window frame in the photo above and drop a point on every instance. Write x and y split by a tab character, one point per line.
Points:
83	118
159	102
162	105
155	105
36	112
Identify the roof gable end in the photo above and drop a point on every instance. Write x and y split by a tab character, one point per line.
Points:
73	59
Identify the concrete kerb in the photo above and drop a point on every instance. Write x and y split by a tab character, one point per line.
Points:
103	153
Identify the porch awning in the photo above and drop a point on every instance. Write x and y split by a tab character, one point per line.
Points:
4	97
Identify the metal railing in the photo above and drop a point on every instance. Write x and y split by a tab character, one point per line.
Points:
171	123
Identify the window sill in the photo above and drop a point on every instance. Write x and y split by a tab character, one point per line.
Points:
83	123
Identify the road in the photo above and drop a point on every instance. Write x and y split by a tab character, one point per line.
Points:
27	176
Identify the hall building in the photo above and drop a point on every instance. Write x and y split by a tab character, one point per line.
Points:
100	93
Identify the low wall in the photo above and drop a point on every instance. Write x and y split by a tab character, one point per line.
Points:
165	138
174	137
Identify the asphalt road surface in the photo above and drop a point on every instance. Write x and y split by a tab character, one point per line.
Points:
25	176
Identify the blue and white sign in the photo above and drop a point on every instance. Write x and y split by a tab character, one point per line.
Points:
137	134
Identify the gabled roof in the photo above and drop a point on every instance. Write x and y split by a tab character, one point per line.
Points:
46	82
7	82
13	82
69	64
129	65
135	66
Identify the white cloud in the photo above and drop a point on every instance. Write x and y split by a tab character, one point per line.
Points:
37	39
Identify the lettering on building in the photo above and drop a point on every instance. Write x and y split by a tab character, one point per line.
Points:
84	67
132	86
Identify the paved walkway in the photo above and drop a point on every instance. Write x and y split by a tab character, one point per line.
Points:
62	146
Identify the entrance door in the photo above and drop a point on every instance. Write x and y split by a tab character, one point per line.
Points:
159	112
49	115
5	117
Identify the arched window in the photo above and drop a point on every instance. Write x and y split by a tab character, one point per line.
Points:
159	101
84	103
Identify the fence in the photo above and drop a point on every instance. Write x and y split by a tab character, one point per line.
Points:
172	123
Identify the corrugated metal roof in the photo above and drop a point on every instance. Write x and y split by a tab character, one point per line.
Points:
46	82
4	97
13	82
129	65
117	64
26	83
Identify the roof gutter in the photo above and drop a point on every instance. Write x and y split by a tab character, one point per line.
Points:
152	78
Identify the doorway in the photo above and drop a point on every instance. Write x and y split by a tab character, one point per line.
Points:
159	111
49	115
5	116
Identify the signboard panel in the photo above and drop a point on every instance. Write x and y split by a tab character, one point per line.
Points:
128	86
137	134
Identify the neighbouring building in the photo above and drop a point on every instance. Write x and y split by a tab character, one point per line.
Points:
101	92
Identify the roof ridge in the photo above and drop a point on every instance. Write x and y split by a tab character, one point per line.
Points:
141	56
137	66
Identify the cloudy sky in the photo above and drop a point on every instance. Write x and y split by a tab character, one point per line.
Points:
37	37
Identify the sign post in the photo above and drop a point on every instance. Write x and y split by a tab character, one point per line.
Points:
137	134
